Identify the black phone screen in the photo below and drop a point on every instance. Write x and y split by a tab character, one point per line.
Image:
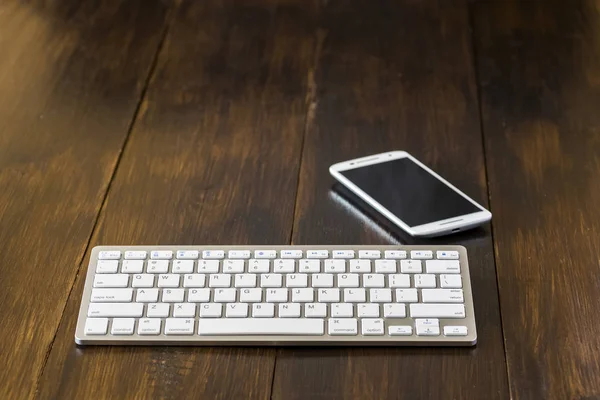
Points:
409	192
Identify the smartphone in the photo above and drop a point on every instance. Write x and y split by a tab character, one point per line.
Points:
409	194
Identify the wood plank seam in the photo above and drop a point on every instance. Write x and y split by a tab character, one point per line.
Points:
485	168
311	110
134	118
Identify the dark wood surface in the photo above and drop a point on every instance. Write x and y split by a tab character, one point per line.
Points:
214	122
67	95
539	68
213	158
370	98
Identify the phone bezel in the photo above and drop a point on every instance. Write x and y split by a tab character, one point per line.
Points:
437	228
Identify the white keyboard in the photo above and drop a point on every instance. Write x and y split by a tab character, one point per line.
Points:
277	295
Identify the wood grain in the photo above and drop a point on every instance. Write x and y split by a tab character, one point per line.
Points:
395	76
540	81
214	158
68	94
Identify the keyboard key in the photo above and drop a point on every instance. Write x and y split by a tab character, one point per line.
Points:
329	295
296	280
245	280
317	253
198	295
250	295
149	326
400	330
263	310
442	296
305	295
173	295
208	266
258	266
183	267
159	310
348	280
168	281
112	295
148	295
427	327
374	281
122	326
343	253
315	310
411	267
450	281
342	326
236	310
136	255
442	266
437	310
239	254
265	254
224	295
158	267
184	310
188	254
179	326
358	295
380	295
271	280
424	281
335	266
291	254
421	254
194	280
284	266
96	326
289	310
115	310
372	327
233	266
261	326
219	281
394	310
385	266
109	255
342	310
107	266
213	254
309	266
142	281
369	254
447	255
399	281
395	254
406	295
455	331
277	295
211	310
322	280
368	310
132	266
161	255
112	280
360	266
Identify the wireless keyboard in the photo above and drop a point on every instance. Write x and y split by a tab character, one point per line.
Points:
277	295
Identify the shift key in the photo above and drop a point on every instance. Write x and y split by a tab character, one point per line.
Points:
115	310
437	311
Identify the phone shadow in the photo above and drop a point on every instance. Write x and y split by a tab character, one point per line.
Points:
359	209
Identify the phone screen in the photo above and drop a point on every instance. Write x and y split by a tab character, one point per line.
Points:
409	192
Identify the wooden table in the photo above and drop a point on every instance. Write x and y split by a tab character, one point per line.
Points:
214	122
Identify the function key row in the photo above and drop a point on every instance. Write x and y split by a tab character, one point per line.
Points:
268	254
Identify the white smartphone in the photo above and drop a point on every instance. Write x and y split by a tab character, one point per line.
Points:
409	194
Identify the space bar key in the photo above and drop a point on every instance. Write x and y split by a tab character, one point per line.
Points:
260	326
